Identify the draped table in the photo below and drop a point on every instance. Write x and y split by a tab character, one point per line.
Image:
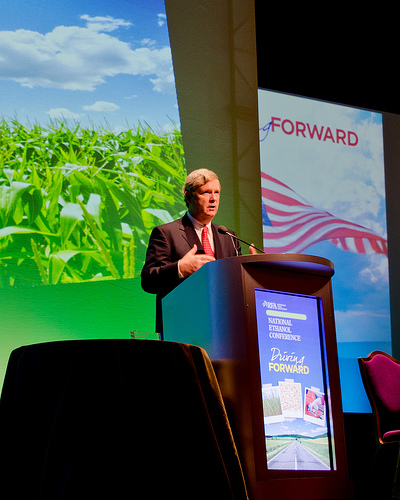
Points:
117	419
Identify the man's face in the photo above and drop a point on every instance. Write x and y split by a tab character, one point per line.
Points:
203	205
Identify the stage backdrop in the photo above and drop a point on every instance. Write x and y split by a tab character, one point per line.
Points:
91	159
323	193
75	85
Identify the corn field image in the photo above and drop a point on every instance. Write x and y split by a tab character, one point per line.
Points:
272	405
78	204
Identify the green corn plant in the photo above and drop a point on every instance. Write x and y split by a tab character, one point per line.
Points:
79	204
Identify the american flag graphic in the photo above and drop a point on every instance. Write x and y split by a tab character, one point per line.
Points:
291	224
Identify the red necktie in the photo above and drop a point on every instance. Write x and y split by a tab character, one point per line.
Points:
206	242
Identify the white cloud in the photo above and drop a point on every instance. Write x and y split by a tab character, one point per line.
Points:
63	114
376	273
102	107
80	58
107	23
315	431
163	82
162	18
148	42
169	128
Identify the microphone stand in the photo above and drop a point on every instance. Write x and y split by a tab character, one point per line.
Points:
223	230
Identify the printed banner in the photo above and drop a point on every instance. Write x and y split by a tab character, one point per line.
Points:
293	385
323	193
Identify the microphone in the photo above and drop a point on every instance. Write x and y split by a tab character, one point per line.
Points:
224	230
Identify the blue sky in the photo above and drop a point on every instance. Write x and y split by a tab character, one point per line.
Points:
101	62
294	426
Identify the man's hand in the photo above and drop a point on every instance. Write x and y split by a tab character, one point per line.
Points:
253	251
191	262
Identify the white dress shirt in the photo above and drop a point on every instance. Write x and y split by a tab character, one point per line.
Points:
198	227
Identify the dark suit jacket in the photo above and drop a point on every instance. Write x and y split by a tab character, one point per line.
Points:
170	242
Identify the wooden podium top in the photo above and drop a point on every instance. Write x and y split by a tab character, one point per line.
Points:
310	264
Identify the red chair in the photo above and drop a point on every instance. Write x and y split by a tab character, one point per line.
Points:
380	374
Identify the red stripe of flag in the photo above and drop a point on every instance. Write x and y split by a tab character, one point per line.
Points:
296	225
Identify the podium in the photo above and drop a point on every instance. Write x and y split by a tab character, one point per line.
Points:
267	323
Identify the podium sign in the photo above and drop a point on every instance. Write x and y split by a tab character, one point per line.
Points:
267	323
294	380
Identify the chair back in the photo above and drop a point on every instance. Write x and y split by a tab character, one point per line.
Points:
380	374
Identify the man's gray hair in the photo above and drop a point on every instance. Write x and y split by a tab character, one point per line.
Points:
196	179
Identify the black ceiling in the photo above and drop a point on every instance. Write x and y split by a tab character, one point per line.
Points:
339	56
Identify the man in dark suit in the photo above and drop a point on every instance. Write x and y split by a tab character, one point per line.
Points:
178	249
